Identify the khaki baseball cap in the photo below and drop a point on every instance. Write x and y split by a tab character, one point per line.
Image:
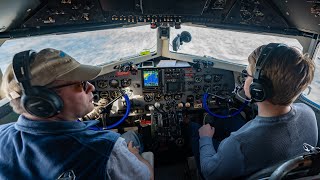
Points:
48	66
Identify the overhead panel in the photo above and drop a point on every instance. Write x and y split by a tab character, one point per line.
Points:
13	13
256	13
67	12
262	15
120	5
303	14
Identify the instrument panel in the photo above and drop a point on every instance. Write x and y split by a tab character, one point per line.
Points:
163	89
160	98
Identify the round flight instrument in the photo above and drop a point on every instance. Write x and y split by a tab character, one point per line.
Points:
104	94
102	83
208	78
114	83
148	97
198	79
125	82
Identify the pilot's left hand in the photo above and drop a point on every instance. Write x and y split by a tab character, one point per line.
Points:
206	130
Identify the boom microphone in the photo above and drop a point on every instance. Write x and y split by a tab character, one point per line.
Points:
237	91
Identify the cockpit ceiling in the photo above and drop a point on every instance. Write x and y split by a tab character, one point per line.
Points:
287	17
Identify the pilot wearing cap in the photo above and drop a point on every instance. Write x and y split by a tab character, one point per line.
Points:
50	91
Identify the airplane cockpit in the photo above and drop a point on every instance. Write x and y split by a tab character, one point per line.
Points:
165	63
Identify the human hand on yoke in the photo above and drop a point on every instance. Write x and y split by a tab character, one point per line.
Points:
206	130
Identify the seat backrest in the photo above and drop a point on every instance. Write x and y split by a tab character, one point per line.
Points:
299	167
302	166
265	173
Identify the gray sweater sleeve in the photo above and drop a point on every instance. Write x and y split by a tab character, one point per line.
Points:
123	164
227	162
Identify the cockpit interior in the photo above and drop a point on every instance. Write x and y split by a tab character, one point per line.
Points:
157	91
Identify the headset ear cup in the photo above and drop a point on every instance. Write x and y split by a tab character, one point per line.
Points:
260	90
257	91
43	103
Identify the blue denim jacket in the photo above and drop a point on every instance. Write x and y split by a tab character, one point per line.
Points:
49	150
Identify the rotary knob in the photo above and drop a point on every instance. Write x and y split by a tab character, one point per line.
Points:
157	105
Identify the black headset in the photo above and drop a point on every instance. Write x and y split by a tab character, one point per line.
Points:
261	87
37	100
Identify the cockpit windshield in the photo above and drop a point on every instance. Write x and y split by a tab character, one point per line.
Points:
103	47
106	46
225	44
92	47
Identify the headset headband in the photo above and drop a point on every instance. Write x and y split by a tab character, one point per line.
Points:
263	57
21	67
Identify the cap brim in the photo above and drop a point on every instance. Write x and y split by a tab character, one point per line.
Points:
81	73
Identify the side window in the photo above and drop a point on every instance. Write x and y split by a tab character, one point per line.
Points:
314	93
